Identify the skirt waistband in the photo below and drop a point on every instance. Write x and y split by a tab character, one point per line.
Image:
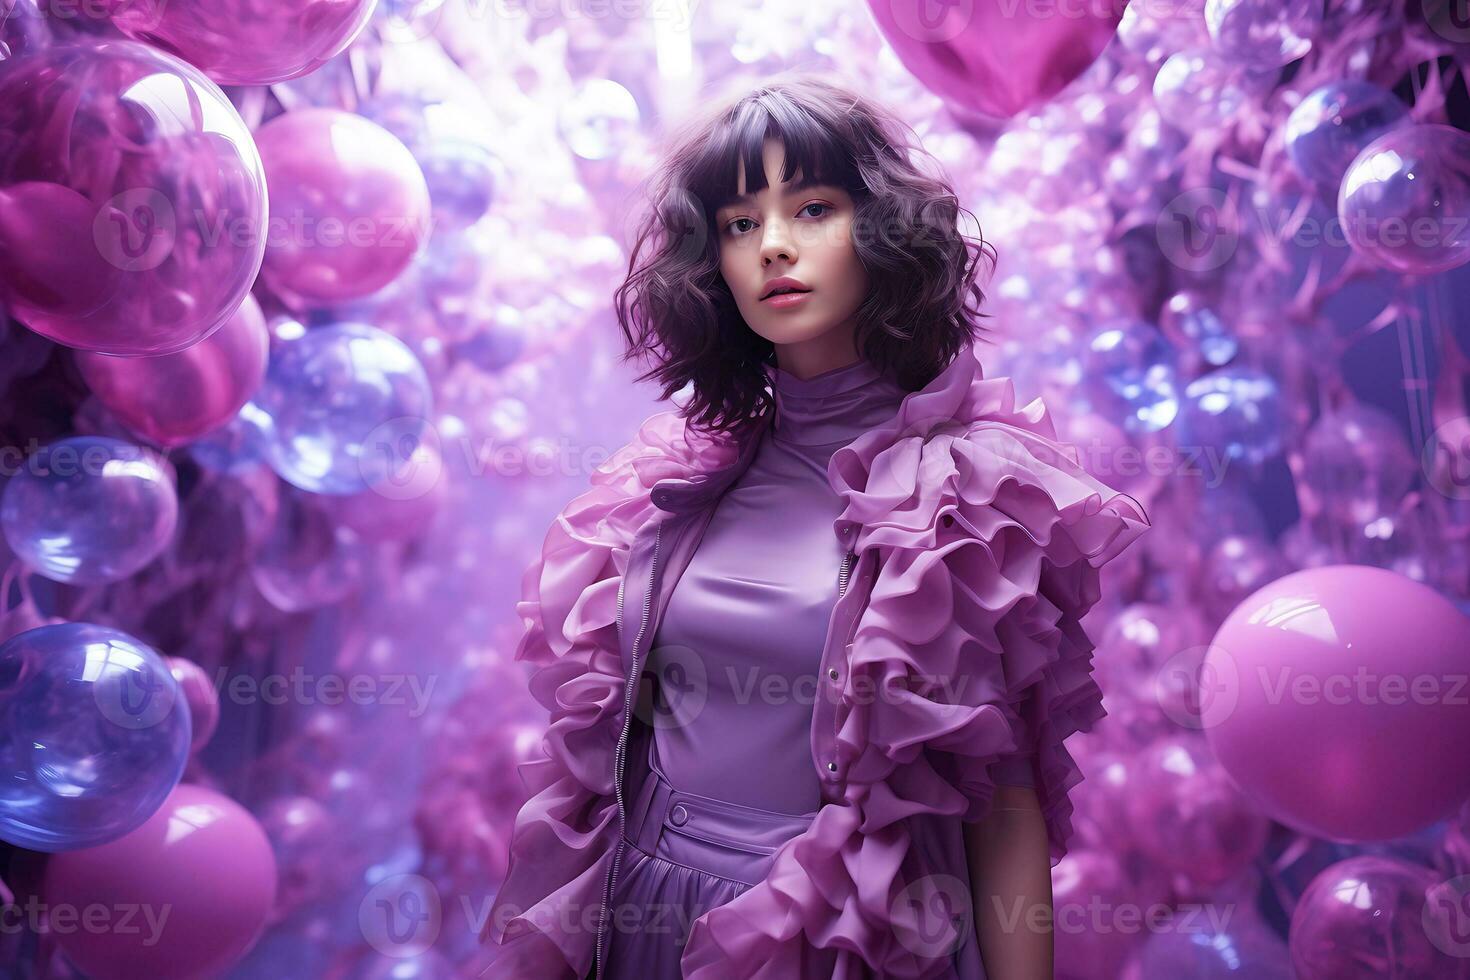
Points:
728	840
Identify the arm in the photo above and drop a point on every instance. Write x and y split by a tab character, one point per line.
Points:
1010	873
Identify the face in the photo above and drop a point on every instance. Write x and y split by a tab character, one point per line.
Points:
803	234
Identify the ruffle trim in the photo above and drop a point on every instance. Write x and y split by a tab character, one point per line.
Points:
991	537
545	914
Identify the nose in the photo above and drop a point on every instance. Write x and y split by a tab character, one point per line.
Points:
776	243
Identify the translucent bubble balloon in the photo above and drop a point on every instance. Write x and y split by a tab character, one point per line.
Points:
1235	412
1332	125
23	28
349	207
1190	818
1192	88
96	735
1238	948
172	399
1263	33
347	405
1356	463
1193	325
238	42
1128	374
464	178
1404	200
89	509
1370	917
132	198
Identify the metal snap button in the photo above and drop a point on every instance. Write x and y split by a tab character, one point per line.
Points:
832	673
680	816
832	767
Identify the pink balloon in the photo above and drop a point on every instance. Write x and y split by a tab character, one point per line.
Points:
994	58
173	399
201	860
51	266
1097	915
1333	696
1187	816
1370	917
132	198
201	696
349	206
236	42
401	507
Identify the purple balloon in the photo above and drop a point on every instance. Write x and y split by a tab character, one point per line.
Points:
132	199
1371	917
1233	947
1188	817
203	858
1404	200
173	399
349	206
201	697
1329	128
96	735
89	509
970	54
245	42
1330	698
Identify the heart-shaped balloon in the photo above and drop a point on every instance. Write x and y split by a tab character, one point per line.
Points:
995	57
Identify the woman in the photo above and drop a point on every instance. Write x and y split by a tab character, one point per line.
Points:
810	645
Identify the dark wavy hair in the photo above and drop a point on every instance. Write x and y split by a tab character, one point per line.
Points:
674	307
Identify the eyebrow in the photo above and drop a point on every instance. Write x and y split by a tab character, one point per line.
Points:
804	183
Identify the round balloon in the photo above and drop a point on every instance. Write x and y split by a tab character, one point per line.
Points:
89	509
1404	199
967	53
1187	816
199	871
349	206
348	407
1332	697
1370	917
1239	947
127	224
240	43
96	734
173	399
201	697
1329	128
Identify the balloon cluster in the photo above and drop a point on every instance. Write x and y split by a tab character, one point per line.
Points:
305	335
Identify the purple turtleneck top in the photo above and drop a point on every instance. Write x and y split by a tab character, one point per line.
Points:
738	646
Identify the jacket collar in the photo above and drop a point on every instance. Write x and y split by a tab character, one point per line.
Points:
940	399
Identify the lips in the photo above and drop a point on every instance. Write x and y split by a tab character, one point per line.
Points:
784	283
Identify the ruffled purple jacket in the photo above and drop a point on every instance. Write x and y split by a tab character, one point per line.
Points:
979	541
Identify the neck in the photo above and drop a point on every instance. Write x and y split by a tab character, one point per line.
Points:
817	355
833	407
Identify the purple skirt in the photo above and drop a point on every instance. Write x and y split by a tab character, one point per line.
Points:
683	855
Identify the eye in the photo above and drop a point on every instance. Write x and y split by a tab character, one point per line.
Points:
818	204
732	224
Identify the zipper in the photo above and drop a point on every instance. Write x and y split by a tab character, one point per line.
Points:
622	748
842	575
